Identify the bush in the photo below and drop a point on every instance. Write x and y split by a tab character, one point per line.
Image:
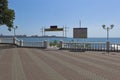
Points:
55	43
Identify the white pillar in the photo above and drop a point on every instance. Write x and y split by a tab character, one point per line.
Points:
61	44
46	44
21	43
14	40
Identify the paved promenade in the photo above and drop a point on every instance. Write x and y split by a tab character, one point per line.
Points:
37	64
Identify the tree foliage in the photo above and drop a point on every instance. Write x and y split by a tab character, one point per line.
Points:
7	15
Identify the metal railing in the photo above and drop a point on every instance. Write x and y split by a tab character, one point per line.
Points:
33	44
90	46
21	43
115	46
6	40
87	46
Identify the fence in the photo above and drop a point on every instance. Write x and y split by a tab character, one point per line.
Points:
86	46
91	46
21	43
6	40
33	44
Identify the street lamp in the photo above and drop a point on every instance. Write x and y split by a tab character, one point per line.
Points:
108	28
15	30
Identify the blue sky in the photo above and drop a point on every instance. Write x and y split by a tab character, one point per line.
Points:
32	15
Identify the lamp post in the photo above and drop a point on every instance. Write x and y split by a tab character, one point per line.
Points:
15	30
14	38
107	28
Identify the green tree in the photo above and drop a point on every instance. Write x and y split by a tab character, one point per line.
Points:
7	15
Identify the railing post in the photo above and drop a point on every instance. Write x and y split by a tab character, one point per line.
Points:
61	44
117	47
84	46
14	40
21	43
107	46
45	44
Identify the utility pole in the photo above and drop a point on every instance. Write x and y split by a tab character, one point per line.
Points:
80	23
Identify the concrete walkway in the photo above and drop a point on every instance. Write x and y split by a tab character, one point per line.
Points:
53	64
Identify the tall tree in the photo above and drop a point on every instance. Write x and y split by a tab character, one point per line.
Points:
7	15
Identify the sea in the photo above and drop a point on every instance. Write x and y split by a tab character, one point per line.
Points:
51	39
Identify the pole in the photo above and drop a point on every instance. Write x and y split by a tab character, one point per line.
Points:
107	40
42	31
107	34
107	43
14	32
80	23
63	31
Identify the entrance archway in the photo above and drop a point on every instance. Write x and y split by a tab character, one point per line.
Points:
54	28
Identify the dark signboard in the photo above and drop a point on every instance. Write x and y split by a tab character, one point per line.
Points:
79	32
53	26
54	29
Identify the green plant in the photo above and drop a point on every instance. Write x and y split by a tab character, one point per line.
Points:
54	43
